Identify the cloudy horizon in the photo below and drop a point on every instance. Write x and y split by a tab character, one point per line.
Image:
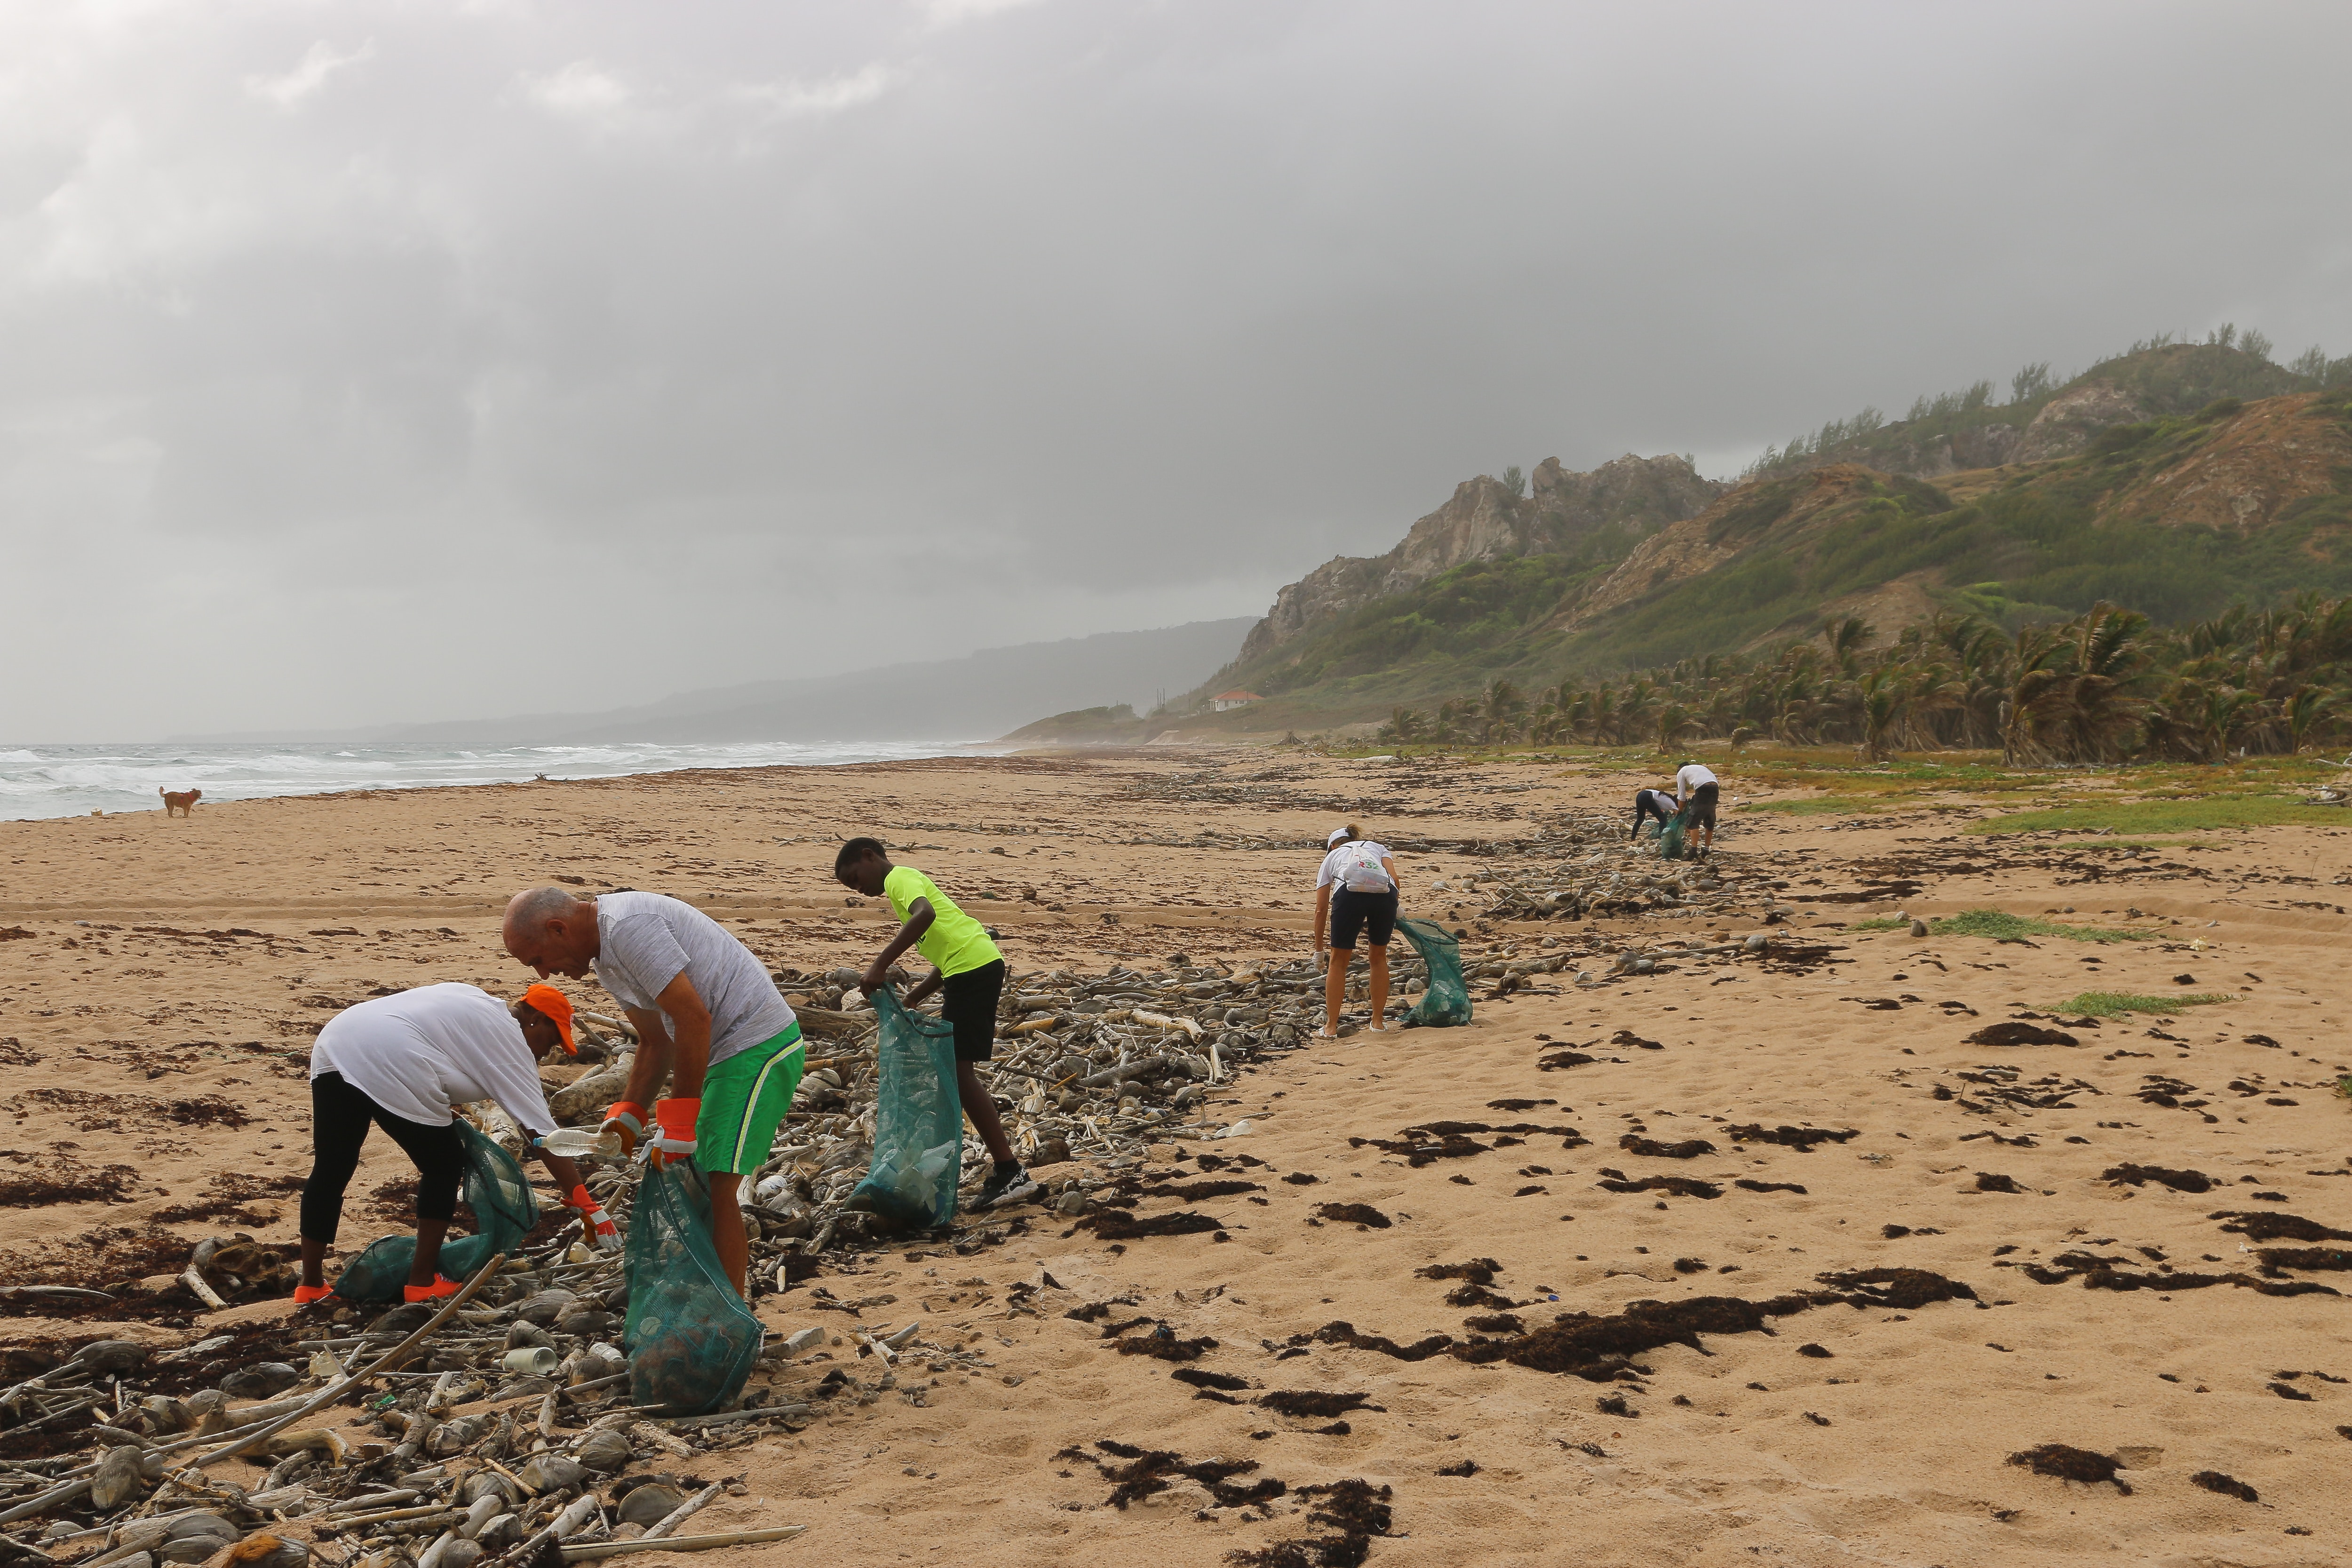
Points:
382	363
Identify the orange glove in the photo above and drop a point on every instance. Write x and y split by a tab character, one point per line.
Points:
675	1139
626	1118
602	1231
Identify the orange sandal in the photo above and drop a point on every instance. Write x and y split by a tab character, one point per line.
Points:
441	1287
306	1294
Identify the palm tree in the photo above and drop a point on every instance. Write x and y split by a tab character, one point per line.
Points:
2305	713
1675	722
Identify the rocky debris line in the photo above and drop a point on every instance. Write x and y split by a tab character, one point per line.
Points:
1087	1067
499	1429
1614	879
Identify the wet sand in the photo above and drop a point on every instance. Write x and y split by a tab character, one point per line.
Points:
173	967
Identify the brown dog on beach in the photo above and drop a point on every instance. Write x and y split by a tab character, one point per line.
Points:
184	802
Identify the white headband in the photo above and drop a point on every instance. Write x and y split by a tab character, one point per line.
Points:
1337	835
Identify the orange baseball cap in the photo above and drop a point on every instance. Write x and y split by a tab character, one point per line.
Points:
547	999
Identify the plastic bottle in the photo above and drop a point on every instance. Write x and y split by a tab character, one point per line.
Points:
573	1141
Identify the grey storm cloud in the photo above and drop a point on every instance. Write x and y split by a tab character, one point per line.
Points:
387	360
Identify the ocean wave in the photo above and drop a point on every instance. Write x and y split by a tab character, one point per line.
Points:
73	781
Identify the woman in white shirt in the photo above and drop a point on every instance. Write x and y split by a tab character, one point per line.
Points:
404	1063
1355	892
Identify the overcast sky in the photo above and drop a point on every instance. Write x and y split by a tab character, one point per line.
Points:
378	362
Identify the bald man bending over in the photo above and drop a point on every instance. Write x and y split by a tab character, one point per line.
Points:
705	1011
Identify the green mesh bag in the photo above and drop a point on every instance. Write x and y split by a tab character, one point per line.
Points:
918	1121
690	1340
1447	1000
493	1186
1672	838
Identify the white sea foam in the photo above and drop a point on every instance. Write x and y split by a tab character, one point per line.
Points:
74	780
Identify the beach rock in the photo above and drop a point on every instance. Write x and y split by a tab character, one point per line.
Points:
460	1554
1071	1204
119	1479
585	1321
485	1483
805	1340
503	1530
606	1452
111	1357
648	1505
553	1472
1918	927
544	1307
262	1380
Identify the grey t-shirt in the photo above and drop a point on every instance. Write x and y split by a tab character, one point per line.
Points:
645	940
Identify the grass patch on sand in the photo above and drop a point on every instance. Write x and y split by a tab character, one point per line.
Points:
2107	1003
1995	925
2166	816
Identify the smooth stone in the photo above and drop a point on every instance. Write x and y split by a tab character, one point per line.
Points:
648	1505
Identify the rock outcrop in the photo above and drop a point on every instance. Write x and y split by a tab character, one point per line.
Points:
1484	522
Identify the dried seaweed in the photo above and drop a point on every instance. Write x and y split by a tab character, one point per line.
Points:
1201	1377
1748	1183
1680	1187
1308	1403
1111	1224
1166	1347
1689	1149
2072	1464
1801	1139
1355	1213
1905	1289
1356	1510
2228	1486
2257	1225
2179	1180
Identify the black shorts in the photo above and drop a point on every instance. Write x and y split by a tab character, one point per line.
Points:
969	1002
1374	913
1700	812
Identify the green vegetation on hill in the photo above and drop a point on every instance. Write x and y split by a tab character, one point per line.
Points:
2038	544
2164	377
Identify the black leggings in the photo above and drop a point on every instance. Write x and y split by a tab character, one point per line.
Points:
340	1115
1645	806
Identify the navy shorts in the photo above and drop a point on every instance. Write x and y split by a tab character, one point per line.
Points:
1374	913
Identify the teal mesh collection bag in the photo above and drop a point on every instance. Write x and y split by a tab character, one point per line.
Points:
918	1120
690	1340
1447	1000
493	1186
1672	838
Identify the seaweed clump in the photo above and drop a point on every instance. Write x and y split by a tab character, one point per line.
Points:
1355	1213
1801	1139
2072	1464
1148	1470
2257	1226
1689	1149
2133	1175
2228	1486
1112	1225
1680	1187
1357	1511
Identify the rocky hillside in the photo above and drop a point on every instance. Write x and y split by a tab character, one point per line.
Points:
1565	513
2111	487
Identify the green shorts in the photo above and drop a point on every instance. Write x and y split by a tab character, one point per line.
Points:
744	1099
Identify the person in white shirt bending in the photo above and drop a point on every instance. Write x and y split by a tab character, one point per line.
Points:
1356	891
1695	790
402	1063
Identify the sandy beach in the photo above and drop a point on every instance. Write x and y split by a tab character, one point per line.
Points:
160	980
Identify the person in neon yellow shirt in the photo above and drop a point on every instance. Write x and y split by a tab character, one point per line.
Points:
970	977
